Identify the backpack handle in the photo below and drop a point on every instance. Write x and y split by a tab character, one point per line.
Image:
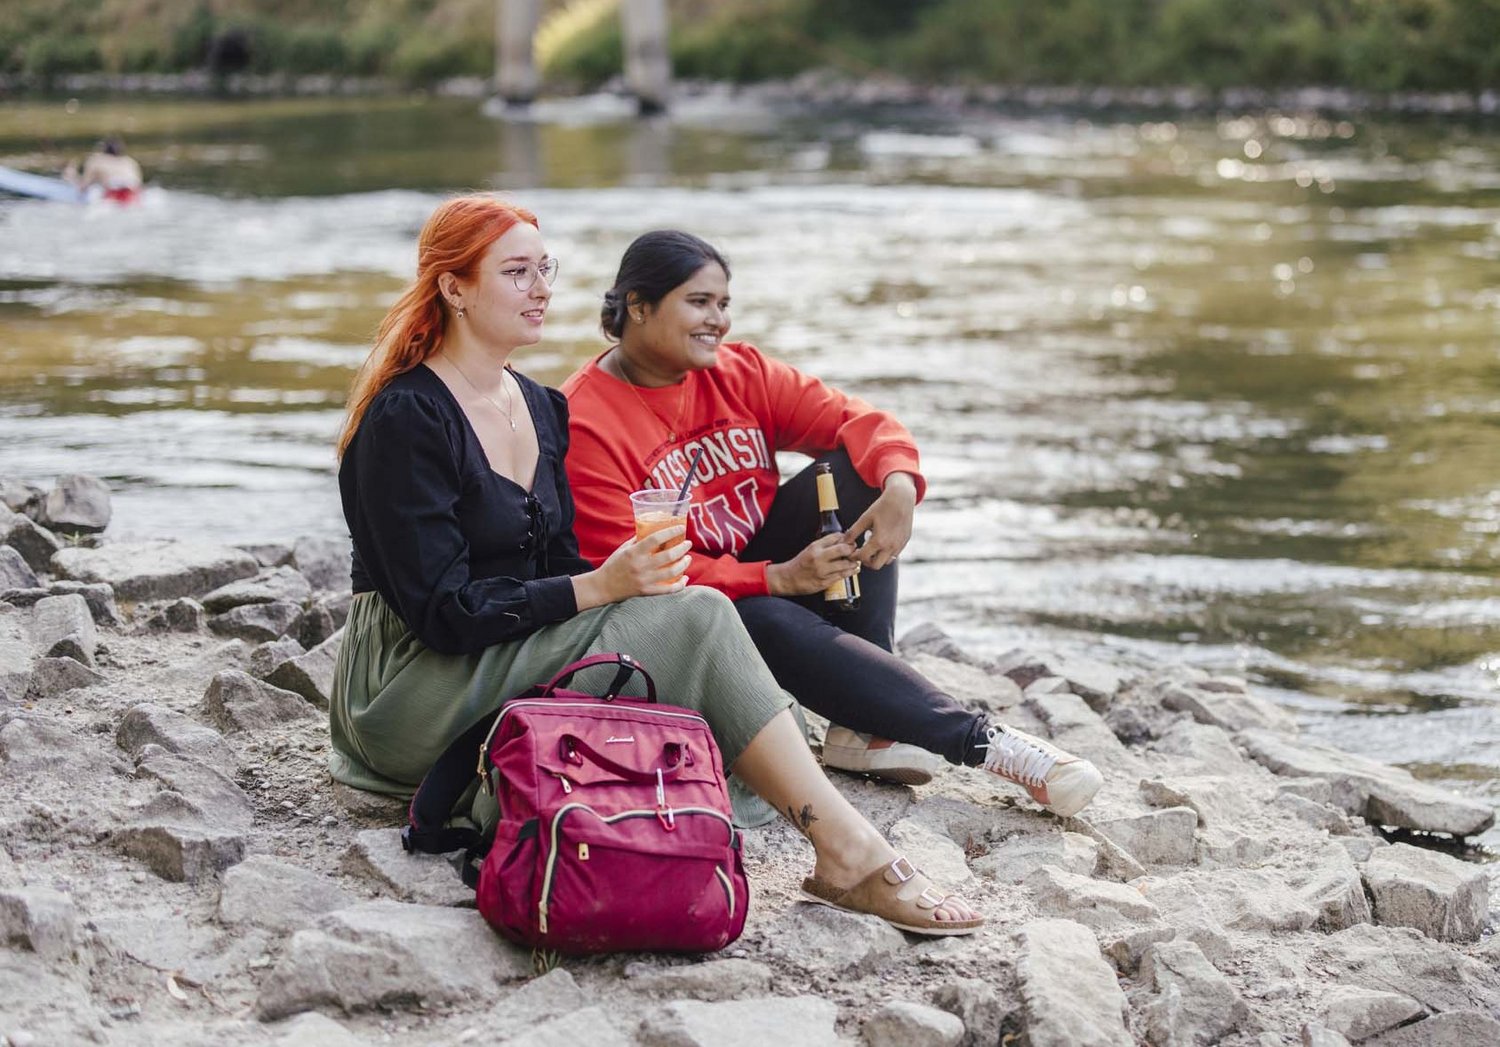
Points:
571	744
627	664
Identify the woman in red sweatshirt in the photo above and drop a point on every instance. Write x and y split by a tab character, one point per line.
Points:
669	388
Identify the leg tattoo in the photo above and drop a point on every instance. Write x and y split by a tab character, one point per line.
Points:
802	820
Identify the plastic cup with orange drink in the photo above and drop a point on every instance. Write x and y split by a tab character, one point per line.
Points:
658	508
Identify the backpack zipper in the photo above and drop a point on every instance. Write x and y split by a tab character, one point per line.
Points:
542	903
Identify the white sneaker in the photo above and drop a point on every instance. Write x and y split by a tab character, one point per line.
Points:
879	757
1059	781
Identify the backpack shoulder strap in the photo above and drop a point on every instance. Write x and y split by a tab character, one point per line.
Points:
426	829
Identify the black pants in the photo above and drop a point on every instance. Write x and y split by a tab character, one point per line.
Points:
843	668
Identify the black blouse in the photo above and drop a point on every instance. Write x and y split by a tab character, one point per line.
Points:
466	556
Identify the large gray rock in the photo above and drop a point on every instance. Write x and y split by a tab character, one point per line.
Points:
1015	858
39	919
1070	995
98	595
16	653
182	615
803	1020
1470	1028
256	622
1094	681
157	570
324	562
18	496
311	1030
971	684
62	627
268	657
594	1026
197	787
35	745
548	996
1162	837
1241	899
1100	905
76	505
710	980
1358	1013
263	892
901	1023
1374	791
942	859
391	953
1440	896
1231	710
1326	878
428	879
929	639
15	573
35	544
976	1003
277	585
148	724
310	674
818	937
1399	959
51	677
1194	1003
237	701
179	852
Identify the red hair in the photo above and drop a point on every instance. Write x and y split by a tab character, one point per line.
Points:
453	241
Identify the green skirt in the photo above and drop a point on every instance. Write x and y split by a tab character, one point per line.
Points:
397	704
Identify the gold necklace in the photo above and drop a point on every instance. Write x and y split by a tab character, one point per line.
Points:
671	427
509	400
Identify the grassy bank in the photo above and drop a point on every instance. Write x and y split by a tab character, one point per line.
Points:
1374	45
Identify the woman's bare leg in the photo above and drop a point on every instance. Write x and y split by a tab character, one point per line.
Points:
778	766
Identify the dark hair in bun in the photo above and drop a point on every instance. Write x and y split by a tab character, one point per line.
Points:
651	267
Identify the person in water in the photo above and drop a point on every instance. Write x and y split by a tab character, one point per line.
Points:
108	167
469	587
668	386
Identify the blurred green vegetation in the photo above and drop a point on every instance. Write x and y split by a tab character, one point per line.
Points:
1376	45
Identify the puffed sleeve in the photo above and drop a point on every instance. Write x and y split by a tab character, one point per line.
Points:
408	483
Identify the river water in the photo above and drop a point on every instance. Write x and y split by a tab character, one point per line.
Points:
1215	390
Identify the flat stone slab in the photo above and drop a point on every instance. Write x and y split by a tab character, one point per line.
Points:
284	584
428	879
393	954
157	570
806	1021
148	724
1374	791
263	892
1070	993
237	701
1442	897
710	980
180	853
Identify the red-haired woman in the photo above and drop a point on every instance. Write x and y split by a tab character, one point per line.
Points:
469	587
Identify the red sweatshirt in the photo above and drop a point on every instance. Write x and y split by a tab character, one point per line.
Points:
743	410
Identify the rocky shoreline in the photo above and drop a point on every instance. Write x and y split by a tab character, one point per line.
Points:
818	88
178	868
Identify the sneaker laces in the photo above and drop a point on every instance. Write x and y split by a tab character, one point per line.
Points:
1016	758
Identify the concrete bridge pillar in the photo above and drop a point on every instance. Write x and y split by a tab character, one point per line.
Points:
648	65
643	24
516	76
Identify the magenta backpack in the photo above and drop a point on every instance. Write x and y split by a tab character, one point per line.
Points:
615	830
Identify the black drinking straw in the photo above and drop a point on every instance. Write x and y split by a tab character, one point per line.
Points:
692	468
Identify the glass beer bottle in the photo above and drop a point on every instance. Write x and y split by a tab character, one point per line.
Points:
842	595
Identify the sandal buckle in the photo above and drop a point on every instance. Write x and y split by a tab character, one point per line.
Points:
896	868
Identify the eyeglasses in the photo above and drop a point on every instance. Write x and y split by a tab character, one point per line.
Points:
525	276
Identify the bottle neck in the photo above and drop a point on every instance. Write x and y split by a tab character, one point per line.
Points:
828	498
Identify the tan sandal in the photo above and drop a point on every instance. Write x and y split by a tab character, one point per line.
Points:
899	894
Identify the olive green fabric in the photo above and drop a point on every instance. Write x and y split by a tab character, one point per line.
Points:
397	704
